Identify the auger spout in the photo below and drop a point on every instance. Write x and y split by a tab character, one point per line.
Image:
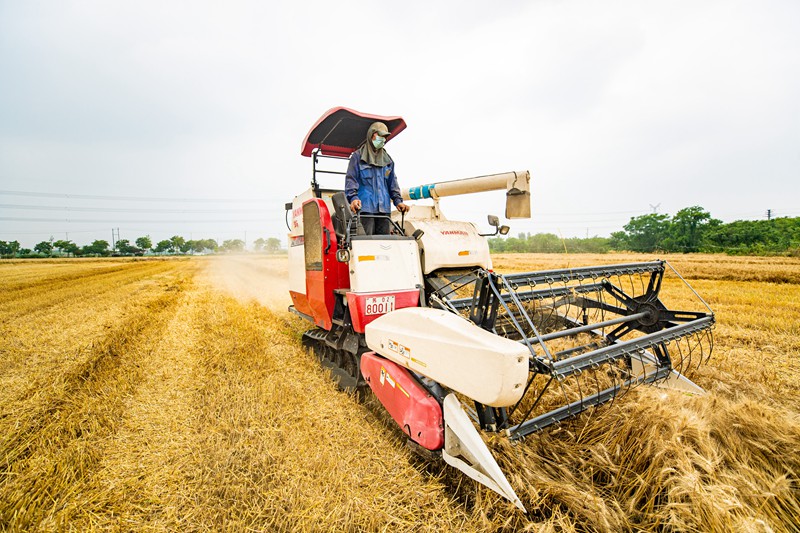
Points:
516	184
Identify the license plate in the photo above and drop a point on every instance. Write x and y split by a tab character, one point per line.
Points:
379	305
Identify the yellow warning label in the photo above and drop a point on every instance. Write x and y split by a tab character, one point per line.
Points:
399	349
386	378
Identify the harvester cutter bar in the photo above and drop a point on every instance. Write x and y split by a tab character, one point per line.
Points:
562	413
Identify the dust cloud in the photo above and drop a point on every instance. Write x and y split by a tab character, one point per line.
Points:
260	278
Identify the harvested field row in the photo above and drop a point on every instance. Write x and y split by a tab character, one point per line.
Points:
203	413
40	275
690	266
74	284
52	435
54	330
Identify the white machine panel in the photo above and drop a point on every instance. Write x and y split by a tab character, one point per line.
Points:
450	244
384	265
454	352
296	246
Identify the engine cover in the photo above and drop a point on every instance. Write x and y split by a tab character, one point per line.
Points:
411	406
454	352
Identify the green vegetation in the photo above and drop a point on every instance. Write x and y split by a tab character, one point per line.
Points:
143	246
692	229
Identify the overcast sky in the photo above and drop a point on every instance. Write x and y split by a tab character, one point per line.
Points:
616	108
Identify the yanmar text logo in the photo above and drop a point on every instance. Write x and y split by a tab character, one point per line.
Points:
455	232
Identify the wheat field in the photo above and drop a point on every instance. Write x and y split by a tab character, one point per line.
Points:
174	395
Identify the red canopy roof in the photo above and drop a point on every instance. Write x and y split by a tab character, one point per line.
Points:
341	130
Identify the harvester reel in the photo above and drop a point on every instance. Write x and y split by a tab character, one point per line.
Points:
590	339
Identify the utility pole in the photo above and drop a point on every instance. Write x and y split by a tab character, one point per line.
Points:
769	214
114	238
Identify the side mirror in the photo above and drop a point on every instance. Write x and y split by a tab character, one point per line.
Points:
494	221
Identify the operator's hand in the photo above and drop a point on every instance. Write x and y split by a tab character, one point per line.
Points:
403	208
355	205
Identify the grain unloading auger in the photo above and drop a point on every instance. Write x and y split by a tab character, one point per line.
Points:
449	346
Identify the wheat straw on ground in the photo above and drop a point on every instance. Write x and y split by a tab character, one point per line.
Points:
164	395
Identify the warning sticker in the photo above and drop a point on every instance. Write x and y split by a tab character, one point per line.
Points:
386	378
399	349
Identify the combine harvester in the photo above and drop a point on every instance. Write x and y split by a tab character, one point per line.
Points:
445	343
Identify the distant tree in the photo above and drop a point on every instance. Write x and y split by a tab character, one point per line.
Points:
71	248
163	246
233	245
177	243
144	242
198	246
98	247
125	247
589	245
61	245
66	247
544	243
44	247
259	244
688	229
548	243
618	240
9	248
646	233
209	244
273	245
758	237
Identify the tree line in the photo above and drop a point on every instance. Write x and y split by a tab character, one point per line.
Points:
141	246
692	229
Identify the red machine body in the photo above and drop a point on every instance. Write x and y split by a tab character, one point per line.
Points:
411	406
324	274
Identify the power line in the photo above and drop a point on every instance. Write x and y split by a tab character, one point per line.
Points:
118	221
131	198
122	209
48	232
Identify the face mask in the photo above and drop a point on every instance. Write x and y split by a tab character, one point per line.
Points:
378	142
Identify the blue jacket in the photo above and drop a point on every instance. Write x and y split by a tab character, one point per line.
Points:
376	187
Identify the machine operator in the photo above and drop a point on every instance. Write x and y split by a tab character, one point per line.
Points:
371	184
